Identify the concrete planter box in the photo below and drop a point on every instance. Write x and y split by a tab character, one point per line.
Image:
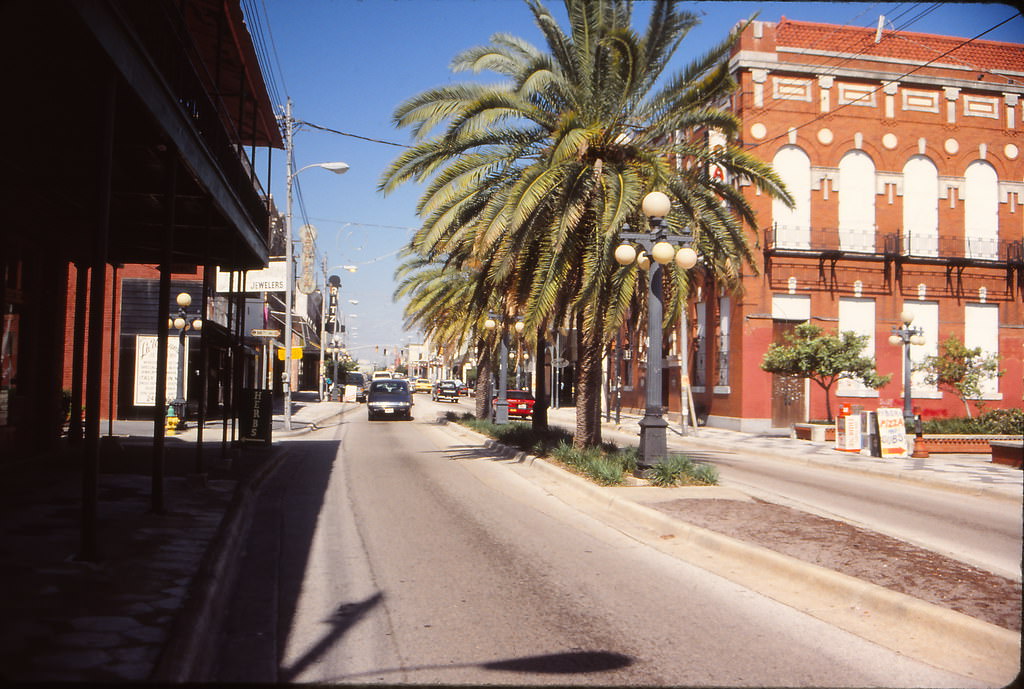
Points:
967	444
818	432
1009	452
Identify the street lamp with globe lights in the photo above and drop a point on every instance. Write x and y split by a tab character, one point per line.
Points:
501	404
906	336
184	322
656	245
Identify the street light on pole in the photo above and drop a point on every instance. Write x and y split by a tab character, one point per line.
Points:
501	404
184	322
337	168
907	336
656	205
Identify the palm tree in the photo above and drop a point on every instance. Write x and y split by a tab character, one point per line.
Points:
535	176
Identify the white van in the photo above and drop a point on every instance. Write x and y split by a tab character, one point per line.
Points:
377	375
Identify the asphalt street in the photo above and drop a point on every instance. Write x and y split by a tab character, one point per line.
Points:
396	552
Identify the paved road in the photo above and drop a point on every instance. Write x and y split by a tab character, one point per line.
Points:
392	552
981	530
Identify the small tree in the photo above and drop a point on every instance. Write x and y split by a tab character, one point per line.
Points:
960	369
810	352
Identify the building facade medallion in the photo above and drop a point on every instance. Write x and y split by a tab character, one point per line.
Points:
890	141
825	135
951	146
758	130
1011	151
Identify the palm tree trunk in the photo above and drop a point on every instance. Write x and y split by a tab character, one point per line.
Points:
540	407
482	394
588	387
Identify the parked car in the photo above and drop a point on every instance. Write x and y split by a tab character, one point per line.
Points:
360	382
445	391
463	388
389	398
520	403
422	385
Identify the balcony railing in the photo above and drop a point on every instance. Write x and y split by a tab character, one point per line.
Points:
162	30
817	241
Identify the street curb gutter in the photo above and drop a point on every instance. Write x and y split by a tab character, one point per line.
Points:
187	654
930	633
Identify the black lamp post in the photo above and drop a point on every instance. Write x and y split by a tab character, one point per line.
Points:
184	322
501	405
656	205
907	336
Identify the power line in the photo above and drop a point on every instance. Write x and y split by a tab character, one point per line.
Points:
354	136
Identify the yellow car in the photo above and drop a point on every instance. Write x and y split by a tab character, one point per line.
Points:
422	385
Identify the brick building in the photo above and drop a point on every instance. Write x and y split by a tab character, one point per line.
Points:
903	154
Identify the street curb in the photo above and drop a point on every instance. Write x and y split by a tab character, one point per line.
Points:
934	634
186	655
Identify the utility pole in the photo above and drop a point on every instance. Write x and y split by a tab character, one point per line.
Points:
289	275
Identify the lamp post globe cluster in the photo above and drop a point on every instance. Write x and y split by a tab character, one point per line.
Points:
501	404
906	335
184	322
655	245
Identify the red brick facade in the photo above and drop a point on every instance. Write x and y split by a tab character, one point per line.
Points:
848	120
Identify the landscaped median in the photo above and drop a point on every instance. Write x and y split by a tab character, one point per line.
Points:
910	624
608	465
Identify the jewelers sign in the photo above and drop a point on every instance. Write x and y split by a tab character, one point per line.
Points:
892	432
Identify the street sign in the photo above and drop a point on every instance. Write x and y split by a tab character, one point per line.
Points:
296	353
256	332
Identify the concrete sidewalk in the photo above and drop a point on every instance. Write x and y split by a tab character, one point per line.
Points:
144	610
970	473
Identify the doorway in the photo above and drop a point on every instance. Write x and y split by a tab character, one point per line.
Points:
788	397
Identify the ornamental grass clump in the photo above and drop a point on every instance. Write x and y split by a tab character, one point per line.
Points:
681	470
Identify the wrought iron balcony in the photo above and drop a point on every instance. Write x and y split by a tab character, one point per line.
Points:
907	246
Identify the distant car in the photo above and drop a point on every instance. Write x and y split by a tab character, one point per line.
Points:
445	391
422	385
382	375
520	403
389	398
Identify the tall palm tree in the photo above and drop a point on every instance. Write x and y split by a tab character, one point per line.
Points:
536	175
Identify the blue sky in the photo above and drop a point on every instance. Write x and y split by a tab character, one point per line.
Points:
346	64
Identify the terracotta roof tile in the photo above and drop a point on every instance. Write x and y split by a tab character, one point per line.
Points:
903	45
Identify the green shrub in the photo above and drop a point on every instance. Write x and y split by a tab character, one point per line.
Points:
706	474
605	471
992	422
670	471
629	459
681	470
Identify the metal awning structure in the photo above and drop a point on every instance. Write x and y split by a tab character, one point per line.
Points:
189	99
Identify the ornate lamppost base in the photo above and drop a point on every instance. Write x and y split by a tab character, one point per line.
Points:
653	439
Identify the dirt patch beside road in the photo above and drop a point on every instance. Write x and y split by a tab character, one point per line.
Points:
859	553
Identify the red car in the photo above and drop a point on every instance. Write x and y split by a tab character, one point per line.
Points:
520	403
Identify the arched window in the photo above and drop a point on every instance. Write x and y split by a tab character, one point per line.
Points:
921	207
857	202
793	226
981	211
